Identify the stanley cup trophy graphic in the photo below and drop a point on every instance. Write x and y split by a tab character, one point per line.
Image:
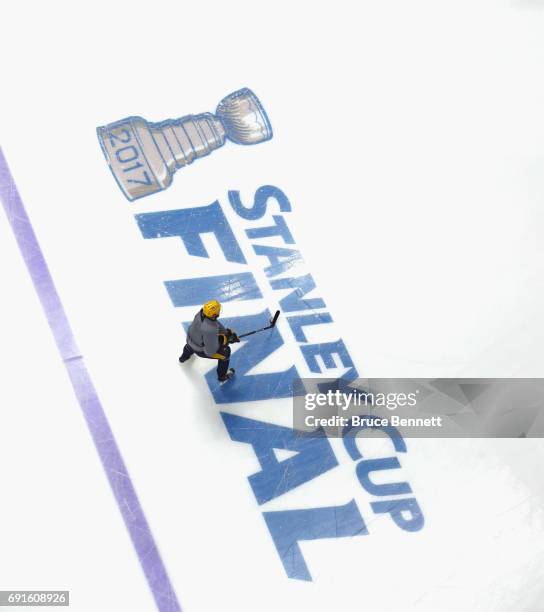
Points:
143	156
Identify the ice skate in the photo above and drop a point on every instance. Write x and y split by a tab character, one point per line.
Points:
227	376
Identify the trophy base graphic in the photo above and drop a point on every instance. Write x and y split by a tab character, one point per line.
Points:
143	156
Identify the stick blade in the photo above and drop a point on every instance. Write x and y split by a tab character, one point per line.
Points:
274	318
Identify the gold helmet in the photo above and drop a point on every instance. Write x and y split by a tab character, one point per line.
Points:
211	309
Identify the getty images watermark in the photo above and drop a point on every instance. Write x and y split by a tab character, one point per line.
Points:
421	408
336	401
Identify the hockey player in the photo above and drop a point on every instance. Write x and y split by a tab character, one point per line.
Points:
208	338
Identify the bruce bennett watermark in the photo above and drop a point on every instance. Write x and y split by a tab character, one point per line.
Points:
420	408
375	422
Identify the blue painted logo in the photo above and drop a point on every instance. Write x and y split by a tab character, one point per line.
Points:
282	266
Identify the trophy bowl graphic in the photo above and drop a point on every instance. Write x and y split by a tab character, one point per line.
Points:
143	156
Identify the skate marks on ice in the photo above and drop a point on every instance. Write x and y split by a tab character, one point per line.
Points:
93	412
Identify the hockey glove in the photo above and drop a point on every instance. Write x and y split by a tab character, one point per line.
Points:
231	337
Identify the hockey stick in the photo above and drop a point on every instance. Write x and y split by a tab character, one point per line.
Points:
272	324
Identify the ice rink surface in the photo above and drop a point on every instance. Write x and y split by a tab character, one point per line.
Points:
407	162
